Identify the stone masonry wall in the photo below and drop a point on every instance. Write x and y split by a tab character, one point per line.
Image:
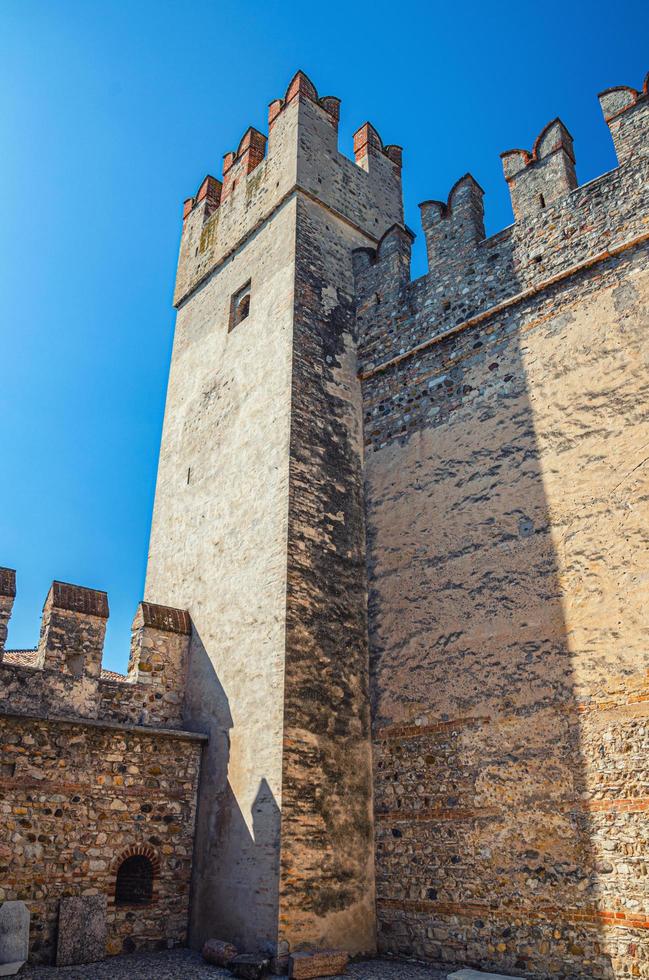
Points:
258	527
327	884
78	797
64	676
94	768
507	512
327	893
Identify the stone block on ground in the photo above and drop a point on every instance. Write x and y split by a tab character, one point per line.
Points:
82	930
218	952
14	937
477	975
247	966
320	963
279	965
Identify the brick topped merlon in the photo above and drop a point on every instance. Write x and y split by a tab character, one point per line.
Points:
77	599
210	193
541	176
251	151
301	86
626	112
7	582
368	142
249	155
456	223
165	618
159	652
619	98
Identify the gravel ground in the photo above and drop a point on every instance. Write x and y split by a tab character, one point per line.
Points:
183	964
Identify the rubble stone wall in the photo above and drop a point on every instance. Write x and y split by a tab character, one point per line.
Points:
507	502
76	797
95	767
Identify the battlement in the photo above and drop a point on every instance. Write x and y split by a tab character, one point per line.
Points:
626	111
558	227
300	154
63	676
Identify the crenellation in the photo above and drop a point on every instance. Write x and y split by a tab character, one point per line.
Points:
469	275
64	675
302	158
454	228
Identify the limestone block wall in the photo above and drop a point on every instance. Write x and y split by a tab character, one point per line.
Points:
506	433
76	798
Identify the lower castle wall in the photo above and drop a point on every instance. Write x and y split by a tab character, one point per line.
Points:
74	798
507	515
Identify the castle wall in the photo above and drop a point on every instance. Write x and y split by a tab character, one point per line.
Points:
507	510
75	799
218	548
327	893
94	768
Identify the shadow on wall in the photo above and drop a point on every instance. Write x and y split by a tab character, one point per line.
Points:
497	541
235	886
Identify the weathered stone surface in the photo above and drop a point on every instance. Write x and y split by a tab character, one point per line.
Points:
65	676
82	930
74	800
506	426
218	952
319	963
274	404
14	936
247	966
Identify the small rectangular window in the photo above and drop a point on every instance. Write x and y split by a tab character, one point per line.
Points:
239	306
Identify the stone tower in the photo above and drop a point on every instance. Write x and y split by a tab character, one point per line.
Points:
258	526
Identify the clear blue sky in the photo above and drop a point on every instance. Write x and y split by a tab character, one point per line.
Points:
113	112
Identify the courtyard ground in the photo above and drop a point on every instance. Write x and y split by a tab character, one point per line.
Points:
184	964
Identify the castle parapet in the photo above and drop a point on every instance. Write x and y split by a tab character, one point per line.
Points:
560	229
64	675
299	156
